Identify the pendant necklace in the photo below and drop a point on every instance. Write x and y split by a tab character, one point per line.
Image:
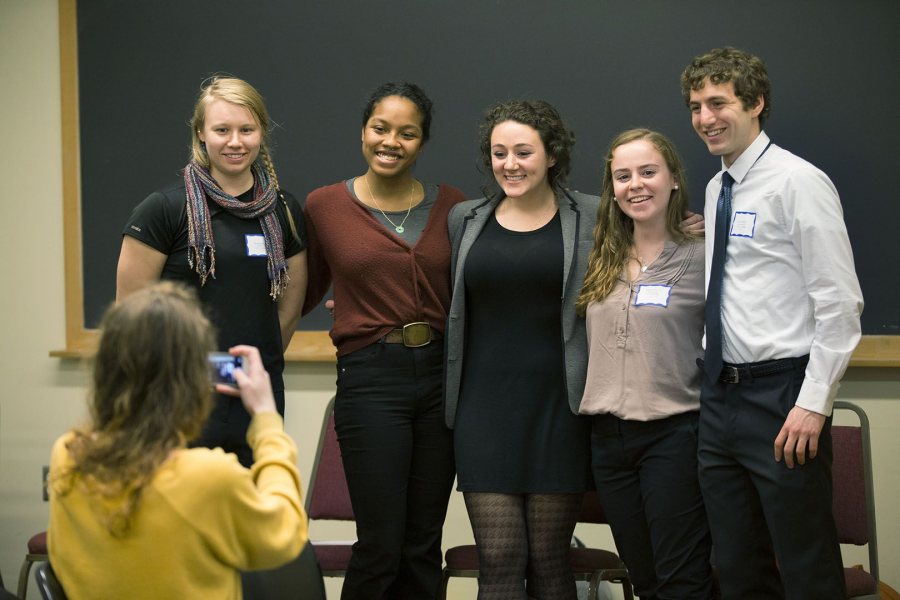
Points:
398	228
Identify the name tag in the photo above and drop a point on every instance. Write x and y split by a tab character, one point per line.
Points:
256	245
657	295
744	224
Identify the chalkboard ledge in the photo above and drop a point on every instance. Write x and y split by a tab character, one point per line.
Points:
306	346
316	346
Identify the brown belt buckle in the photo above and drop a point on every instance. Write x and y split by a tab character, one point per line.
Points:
416	335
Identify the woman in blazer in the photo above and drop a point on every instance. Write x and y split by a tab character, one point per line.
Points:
516	354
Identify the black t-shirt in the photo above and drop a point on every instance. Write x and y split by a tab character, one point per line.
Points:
237	299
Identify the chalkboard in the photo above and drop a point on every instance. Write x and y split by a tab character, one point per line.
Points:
606	64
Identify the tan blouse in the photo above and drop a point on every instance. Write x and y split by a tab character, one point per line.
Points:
644	339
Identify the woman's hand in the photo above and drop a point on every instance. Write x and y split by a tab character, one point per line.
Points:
253	385
693	223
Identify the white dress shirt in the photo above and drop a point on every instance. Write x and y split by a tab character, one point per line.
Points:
790	287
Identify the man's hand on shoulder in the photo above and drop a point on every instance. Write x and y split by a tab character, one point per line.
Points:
799	437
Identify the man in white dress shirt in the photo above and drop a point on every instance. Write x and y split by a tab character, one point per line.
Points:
789	321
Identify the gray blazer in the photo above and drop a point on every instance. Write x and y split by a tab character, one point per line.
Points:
578	215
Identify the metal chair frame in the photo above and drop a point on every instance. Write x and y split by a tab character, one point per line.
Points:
315	510
868	488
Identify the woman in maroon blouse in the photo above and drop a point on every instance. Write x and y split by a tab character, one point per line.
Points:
380	239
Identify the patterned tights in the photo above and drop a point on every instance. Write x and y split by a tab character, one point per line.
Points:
524	537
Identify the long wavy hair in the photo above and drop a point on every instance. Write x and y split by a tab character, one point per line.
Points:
150	394
614	232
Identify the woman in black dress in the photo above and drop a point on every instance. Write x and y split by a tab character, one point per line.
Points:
516	354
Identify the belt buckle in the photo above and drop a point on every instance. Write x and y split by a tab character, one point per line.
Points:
416	335
730	374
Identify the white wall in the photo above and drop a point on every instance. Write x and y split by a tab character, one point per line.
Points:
41	397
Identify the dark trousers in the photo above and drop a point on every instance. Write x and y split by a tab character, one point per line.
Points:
646	478
764	517
398	457
227	425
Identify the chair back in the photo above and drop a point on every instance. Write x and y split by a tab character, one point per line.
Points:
853	502
47	583
328	497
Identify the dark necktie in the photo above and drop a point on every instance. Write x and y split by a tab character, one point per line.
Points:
712	360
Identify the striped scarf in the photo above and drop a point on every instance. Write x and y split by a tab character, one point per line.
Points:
199	185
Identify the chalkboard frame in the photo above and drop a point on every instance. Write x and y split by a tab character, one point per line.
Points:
306	346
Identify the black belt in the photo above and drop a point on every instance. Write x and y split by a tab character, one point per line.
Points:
411	335
736	373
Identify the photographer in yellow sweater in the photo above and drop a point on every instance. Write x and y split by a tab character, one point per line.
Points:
136	514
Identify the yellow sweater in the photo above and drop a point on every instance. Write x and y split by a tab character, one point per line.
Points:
202	519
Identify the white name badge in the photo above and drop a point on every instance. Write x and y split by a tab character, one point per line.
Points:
256	245
657	295
744	224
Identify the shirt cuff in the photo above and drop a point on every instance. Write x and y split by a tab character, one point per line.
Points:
817	397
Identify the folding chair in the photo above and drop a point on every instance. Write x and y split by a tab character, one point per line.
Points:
47	583
329	499
588	564
854	499
37	552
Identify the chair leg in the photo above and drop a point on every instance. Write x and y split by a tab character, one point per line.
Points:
594	588
445	579
23	577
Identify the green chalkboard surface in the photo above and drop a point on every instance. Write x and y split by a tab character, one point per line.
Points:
607	65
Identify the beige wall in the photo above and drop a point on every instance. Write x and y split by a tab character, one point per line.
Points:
41	396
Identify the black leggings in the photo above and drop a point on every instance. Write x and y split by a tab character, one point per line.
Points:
524	537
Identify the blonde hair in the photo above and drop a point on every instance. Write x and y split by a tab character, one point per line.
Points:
239	92
614	232
150	394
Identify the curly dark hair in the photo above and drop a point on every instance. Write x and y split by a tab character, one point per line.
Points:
407	90
542	117
721	65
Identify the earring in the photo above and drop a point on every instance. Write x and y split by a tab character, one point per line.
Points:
676	187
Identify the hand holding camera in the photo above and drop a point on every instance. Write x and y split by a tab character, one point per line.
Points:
243	366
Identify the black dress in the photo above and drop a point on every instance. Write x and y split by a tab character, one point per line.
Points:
514	432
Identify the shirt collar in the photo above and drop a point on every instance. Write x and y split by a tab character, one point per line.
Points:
739	168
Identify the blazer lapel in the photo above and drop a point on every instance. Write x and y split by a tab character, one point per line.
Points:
569	217
473	224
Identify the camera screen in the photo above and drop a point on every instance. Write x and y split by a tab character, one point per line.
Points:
222	366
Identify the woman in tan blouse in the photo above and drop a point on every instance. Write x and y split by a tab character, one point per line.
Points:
643	300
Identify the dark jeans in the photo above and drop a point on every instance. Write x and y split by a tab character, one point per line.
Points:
226	427
398	457
764	517
646	478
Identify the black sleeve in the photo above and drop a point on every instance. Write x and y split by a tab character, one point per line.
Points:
157	220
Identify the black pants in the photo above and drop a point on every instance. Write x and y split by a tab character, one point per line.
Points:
398	457
646	478
764	517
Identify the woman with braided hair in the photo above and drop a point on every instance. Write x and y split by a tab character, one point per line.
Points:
232	234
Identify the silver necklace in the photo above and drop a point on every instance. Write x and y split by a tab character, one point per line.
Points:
398	228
